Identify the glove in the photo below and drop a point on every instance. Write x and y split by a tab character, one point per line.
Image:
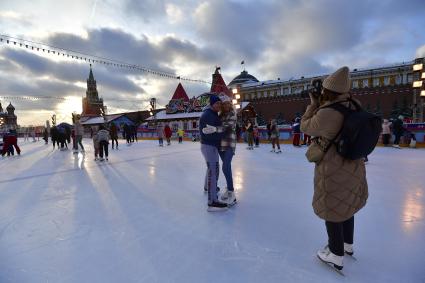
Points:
314	100
209	130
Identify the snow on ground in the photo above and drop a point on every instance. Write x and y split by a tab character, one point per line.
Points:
142	217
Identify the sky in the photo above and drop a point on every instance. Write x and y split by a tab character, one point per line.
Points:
275	38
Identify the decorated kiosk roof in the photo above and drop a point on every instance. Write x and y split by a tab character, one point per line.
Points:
218	85
180	93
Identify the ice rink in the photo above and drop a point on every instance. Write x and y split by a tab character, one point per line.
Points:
142	217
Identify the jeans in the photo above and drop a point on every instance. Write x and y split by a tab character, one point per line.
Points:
338	234
226	157
210	154
103	147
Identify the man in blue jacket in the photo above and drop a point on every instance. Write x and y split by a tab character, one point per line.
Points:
211	134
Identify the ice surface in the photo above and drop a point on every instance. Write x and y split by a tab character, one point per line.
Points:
142	217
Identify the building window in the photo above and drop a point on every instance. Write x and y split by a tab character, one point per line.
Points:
366	83
185	126
376	82
355	84
410	78
398	79
194	125
386	81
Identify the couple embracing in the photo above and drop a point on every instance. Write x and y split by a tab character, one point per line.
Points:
217	127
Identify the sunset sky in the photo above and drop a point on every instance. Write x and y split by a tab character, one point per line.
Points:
282	38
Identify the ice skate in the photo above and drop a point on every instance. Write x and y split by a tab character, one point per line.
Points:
273	150
331	259
278	151
348	249
217	207
229	198
101	159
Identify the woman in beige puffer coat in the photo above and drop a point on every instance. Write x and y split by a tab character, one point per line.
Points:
340	186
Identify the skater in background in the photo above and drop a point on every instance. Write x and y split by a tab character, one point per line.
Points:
96	146
256	135
209	126
54	135
127	133
274	135
135	133
114	135
249	130
160	133
228	146
180	134
46	135
79	132
103	139
386	132
10	141
398	130
269	130
296	132
168	133
340	186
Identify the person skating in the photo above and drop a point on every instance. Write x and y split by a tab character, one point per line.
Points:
340	186
168	133
103	138
249	130
256	135
386	132
160	133
46	135
54	135
96	145
209	128
398	131
79	132
127	133
180	134
114	135
296	132
10	140
228	146
274	135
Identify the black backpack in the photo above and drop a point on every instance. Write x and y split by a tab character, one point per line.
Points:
359	133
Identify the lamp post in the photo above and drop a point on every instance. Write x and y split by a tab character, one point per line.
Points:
152	112
418	85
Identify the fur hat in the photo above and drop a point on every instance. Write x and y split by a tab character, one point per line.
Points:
339	81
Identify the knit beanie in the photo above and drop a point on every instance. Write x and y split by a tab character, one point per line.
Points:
213	99
224	98
339	81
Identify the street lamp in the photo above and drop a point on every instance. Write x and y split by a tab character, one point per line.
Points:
418	84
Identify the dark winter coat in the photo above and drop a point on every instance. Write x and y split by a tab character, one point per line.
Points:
114	131
398	127
210	117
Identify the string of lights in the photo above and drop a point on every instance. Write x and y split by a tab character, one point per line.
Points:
90	58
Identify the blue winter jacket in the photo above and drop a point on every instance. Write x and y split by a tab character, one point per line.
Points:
211	118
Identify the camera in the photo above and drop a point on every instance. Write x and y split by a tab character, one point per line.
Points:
316	88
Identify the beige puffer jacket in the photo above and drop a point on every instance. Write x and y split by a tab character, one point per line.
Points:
340	186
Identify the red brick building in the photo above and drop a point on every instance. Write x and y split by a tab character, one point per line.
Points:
386	91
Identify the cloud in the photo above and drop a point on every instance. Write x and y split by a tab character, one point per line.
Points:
420	52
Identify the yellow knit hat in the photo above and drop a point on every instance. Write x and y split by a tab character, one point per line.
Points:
339	81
